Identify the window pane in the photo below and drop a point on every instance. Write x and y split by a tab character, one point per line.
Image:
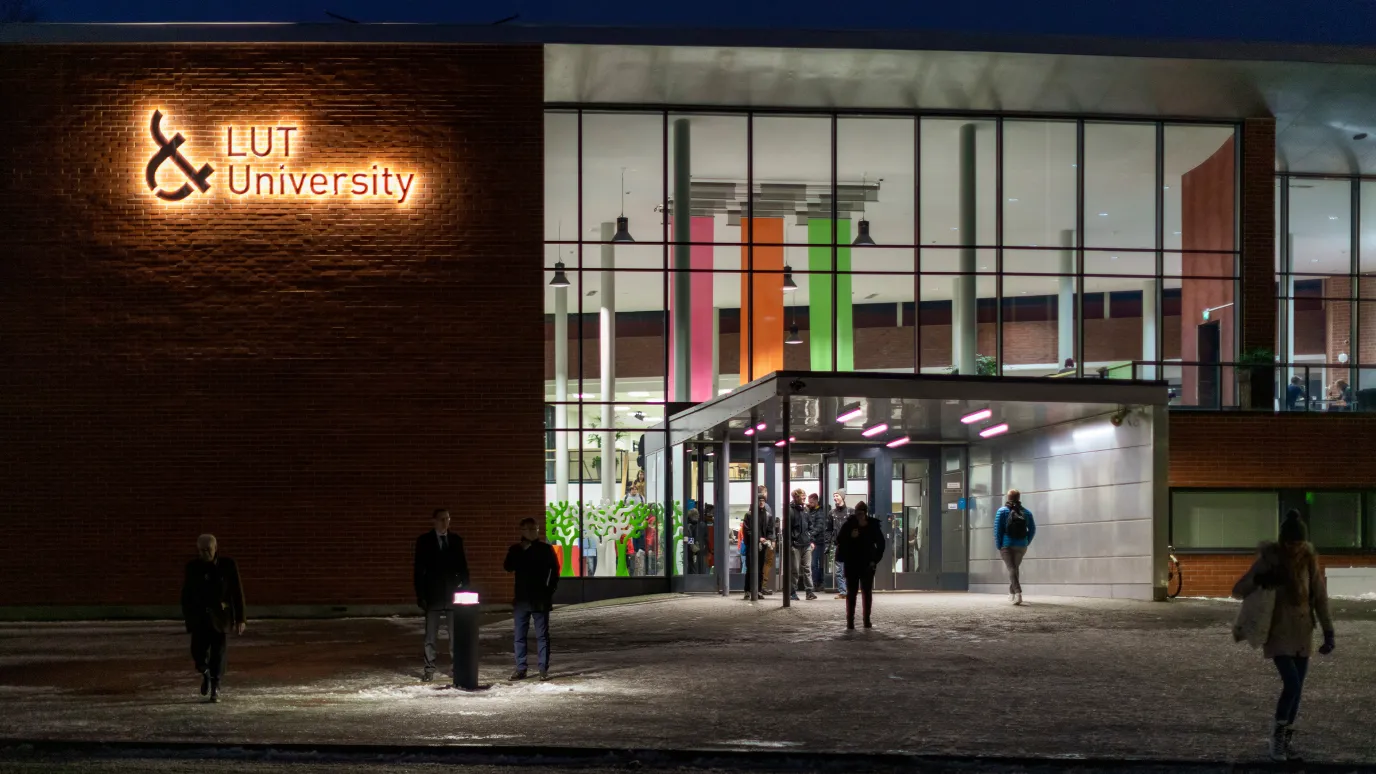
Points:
874	157
1038	325
1335	519
942	148
561	176
1321	226
793	178
1114	326
882	320
623	176
1199	183
1223	519
1039	179
1120	183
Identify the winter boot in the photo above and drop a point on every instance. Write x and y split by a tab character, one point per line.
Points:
1290	753
1276	745
1017	598
214	690
205	682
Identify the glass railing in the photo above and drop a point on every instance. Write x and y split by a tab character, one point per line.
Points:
1278	387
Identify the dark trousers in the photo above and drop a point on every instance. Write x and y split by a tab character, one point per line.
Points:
693	562
436	618
819	560
1292	671
208	650
859	580
524	615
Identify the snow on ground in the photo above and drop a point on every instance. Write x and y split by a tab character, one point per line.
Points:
941	673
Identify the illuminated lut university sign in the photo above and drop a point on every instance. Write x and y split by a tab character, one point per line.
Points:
256	162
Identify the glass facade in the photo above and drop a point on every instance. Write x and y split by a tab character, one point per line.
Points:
704	250
1326	285
1239	519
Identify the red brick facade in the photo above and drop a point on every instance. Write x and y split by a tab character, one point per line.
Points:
305	378
1213	575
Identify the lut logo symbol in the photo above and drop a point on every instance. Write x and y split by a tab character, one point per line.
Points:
171	149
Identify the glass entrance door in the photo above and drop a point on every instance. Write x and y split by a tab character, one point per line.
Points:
910	544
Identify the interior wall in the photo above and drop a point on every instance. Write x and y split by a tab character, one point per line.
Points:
1088	485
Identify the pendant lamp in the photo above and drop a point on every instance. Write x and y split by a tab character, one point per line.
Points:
560	279
863	239
623	232
793	336
789	284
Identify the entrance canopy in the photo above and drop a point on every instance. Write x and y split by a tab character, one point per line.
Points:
925	408
1088	456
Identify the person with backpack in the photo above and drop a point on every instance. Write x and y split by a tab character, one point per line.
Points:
1290	569
1014	529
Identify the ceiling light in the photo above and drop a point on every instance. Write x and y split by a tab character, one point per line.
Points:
864	240
781	443
623	234
793	337
853	411
584	395
1332	217
1012	200
560	280
1177	233
723	390
870	432
789	284
749	431
1103	214
897	442
990	432
638	394
1113	257
761	426
978	416
792	438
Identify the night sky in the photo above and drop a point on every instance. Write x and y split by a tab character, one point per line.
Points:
1343	22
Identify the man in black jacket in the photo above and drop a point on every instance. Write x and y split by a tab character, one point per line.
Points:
212	606
821	538
761	559
537	576
441	567
800	545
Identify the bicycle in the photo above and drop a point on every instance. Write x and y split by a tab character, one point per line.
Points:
1175	580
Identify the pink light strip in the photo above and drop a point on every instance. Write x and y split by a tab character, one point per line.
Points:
978	416
870	432
781	443
897	442
990	432
749	431
761	426
849	415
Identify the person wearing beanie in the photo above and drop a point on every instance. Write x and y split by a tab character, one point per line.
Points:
1291	568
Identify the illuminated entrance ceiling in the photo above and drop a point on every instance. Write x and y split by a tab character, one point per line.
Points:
924	408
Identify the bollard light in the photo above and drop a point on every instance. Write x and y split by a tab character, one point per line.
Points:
465	597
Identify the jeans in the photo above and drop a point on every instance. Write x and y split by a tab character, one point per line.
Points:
1292	671
801	559
1012	560
589	566
523	615
819	561
840	577
859	580
435	617
208	651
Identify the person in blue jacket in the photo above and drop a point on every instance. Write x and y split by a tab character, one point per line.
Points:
1014	529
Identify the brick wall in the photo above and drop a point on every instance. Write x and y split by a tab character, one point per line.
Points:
306	379
1257	327
1213	575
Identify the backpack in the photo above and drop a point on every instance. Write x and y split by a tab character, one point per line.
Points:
1016	526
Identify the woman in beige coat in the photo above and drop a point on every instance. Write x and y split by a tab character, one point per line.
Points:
1291	568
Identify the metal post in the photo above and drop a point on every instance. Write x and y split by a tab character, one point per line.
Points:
964	305
561	394
752	551
787	520
722	527
682	278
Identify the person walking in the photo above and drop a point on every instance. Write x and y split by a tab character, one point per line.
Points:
212	606
800	545
1290	567
440	568
859	546
837	517
1014	529
537	576
694	544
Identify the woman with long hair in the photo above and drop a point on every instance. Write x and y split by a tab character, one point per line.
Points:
1290	567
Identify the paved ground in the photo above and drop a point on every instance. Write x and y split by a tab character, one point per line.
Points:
941	674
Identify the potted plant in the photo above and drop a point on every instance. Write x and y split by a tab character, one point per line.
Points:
1256	379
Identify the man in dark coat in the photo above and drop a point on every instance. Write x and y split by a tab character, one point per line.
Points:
441	567
821	538
537	576
212	606
761	557
859	546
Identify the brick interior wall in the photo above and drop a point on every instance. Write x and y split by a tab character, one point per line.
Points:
305	379
1257	326
1207	220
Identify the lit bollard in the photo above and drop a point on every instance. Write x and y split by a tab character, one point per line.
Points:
463	639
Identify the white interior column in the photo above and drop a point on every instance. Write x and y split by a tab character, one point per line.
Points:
964	326
716	352
1065	300
561	394
607	358
1149	328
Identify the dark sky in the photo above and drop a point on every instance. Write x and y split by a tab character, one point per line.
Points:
1347	22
